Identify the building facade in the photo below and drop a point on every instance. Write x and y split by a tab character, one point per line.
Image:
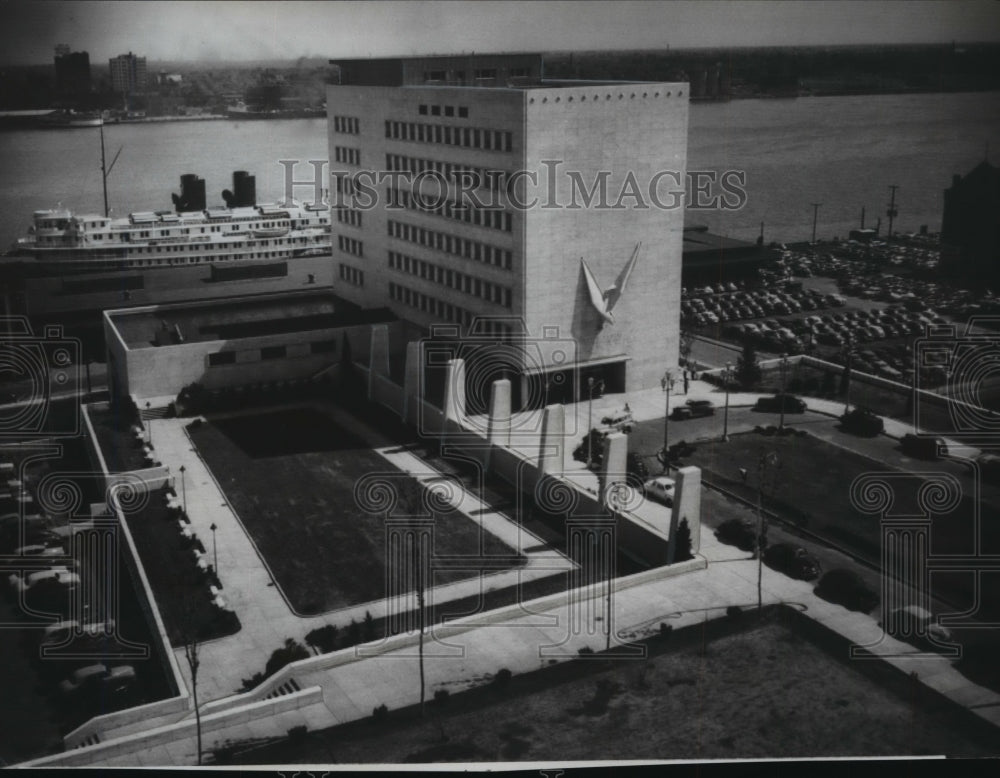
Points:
128	73
571	244
72	73
970	226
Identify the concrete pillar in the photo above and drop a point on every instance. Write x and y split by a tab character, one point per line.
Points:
687	505
613	466
412	390
454	393
378	362
499	423
550	453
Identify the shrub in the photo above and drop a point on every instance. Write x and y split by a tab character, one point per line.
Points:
381	713
324	638
353	633
502	679
297	734
734	611
747	368
369	628
682	548
441	696
665	629
292	651
585	651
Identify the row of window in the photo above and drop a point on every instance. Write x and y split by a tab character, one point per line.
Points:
346	124
350	246
449	110
462	282
480	177
451	244
347	215
492	140
445	311
268	353
352	275
347	155
493	218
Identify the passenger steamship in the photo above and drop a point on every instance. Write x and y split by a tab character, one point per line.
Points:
78	262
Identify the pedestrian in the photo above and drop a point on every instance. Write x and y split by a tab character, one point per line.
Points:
685	382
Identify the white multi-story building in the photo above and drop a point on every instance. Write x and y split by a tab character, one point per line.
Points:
547	253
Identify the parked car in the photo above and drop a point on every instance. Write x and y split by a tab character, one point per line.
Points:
99	679
845	587
693	409
739	533
660	489
31	579
791	403
916	624
989	464
923	448
620	420
794	561
860	421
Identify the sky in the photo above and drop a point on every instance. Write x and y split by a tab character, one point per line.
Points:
179	30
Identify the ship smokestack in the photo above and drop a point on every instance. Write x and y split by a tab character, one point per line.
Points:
192	196
244	191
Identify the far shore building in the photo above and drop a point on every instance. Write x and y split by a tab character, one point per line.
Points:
128	75
970	226
583	280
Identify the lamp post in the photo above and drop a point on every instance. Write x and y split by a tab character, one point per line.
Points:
849	359
727	375
667	382
149	426
815	207
215	550
184	489
591	385
784	367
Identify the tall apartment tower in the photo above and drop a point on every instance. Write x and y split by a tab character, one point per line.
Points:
128	73
581	276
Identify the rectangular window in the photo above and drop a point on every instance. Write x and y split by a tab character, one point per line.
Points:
222	358
422	110
449	110
463	112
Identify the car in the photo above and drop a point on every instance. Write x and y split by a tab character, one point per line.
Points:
619	419
693	409
845	587
63	631
660	489
774	404
917	624
739	533
989	465
863	422
923	448
26	582
792	560
99	679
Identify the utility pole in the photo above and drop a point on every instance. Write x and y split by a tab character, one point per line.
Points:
815	213
892	213
106	169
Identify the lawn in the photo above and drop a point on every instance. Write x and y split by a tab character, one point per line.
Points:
290	476
770	690
812	488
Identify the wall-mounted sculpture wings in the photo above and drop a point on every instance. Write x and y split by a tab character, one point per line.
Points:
604	302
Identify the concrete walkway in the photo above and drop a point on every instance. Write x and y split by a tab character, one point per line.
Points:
524	644
250	590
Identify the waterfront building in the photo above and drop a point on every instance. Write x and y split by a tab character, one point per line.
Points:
72	73
554	249
970	225
128	74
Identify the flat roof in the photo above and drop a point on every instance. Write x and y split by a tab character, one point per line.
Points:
233	319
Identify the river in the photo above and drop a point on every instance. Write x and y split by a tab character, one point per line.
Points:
843	152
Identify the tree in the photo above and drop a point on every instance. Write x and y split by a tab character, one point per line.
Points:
683	543
188	628
684	348
747	367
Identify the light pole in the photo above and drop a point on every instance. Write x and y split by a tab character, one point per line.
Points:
184	489
847	388
215	551
149	426
667	382
784	367
591	385
727	375
815	207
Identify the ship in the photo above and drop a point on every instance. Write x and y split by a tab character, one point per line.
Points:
64	119
72	262
242	112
